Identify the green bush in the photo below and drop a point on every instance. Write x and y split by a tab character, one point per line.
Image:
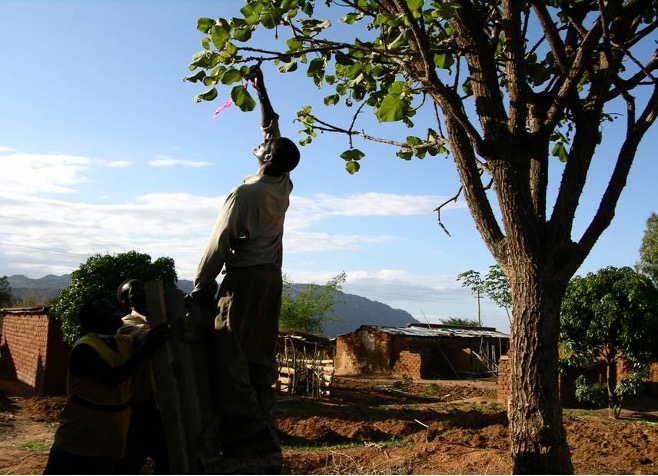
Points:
592	394
100	275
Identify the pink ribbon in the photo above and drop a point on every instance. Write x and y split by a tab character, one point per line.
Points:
228	103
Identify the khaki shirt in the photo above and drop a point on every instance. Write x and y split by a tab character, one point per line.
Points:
249	227
134	324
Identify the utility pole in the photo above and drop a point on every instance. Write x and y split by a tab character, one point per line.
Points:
479	296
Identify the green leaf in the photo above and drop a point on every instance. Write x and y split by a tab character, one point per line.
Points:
307	8
351	18
209	95
220	34
405	153
444	60
560	151
352	167
242	34
231	76
394	105
243	99
199	76
288	67
251	15
416	7
293	44
331	100
352	155
204	24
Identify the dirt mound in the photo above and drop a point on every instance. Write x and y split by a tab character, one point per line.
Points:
379	426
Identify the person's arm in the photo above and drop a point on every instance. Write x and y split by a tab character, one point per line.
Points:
218	247
269	120
85	361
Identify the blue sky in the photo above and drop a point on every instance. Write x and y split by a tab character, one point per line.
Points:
103	150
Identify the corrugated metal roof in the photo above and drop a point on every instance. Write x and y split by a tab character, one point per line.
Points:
442	331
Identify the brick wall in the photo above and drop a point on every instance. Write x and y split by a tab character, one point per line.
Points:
504	381
408	365
32	350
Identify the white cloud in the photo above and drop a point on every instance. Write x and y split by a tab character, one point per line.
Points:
305	211
304	242
31	174
54	236
169	162
119	163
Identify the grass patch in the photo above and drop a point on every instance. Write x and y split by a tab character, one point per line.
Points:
34	445
392	443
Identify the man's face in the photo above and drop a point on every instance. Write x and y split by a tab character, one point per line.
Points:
262	152
107	316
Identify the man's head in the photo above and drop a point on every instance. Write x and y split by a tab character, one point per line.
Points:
132	294
278	156
101	316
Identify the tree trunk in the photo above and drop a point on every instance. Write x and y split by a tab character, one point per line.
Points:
538	437
611	385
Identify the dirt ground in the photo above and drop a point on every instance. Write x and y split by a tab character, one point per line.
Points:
377	426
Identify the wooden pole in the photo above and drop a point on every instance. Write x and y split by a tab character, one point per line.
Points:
184	380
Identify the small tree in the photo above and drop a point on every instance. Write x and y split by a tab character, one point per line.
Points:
648	264
611	315
494	285
100	275
310	309
5	292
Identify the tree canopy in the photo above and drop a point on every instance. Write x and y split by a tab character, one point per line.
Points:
309	308
494	285
5	292
516	93
100	275
611	315
456	321
648	264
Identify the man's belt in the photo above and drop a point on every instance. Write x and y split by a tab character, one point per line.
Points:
101	407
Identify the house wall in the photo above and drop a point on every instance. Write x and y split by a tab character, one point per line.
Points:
566	386
363	352
504	382
373	351
32	350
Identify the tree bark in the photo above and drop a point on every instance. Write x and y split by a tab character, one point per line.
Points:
538	437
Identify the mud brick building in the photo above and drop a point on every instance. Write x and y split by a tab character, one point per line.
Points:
32	349
421	351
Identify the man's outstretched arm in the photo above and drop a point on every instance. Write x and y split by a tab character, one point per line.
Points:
267	114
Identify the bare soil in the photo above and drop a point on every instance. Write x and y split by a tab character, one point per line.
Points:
383	426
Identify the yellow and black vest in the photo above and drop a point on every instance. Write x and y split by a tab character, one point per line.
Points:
95	420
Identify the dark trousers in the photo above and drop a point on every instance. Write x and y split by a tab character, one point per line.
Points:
146	438
247	329
63	462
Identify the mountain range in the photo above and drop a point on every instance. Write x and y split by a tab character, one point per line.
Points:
353	310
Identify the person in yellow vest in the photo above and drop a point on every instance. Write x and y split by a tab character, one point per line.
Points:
146	435
93	426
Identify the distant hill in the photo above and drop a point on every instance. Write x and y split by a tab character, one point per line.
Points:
354	310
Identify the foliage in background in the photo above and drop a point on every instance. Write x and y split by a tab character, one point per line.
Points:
5	292
494	285
100	275
311	308
456	321
611	315
648	264
591	393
